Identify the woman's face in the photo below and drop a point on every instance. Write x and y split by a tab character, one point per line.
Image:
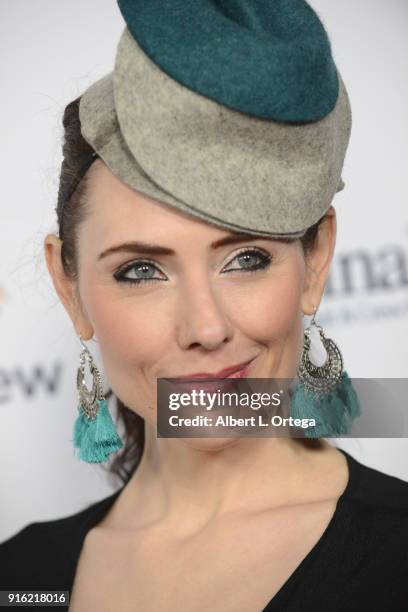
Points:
190	300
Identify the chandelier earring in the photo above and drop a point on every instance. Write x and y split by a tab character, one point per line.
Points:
94	434
325	393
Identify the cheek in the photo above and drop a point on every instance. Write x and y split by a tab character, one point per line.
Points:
271	311
130	329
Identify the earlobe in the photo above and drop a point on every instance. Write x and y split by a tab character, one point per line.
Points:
318	263
311	293
52	251
313	290
309	305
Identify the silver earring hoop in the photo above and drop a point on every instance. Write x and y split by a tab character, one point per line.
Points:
320	379
89	398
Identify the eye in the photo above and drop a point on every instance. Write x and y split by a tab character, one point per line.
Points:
252	260
143	273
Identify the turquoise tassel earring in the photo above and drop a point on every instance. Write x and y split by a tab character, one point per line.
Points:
94	434
325	393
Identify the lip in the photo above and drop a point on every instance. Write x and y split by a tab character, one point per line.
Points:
235	371
212	383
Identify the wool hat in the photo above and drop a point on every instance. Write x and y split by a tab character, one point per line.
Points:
232	111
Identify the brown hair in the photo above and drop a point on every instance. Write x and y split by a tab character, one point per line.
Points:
71	211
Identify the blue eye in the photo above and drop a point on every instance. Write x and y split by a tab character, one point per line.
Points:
250	260
143	268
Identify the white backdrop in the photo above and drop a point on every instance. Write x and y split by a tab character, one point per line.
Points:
50	52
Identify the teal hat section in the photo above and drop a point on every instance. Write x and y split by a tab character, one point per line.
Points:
268	58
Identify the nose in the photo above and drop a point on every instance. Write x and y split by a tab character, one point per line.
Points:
202	319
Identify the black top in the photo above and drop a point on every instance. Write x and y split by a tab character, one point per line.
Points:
360	563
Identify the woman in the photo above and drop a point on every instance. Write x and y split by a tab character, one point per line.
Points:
196	229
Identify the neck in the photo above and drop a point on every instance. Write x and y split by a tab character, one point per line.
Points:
184	487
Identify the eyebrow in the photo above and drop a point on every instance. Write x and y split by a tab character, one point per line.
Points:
153	249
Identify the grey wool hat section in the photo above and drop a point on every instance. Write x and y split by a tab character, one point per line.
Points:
229	168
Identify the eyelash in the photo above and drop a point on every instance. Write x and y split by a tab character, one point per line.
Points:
266	260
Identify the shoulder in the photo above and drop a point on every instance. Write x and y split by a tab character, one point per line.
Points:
374	515
44	552
368	546
376	489
53	527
